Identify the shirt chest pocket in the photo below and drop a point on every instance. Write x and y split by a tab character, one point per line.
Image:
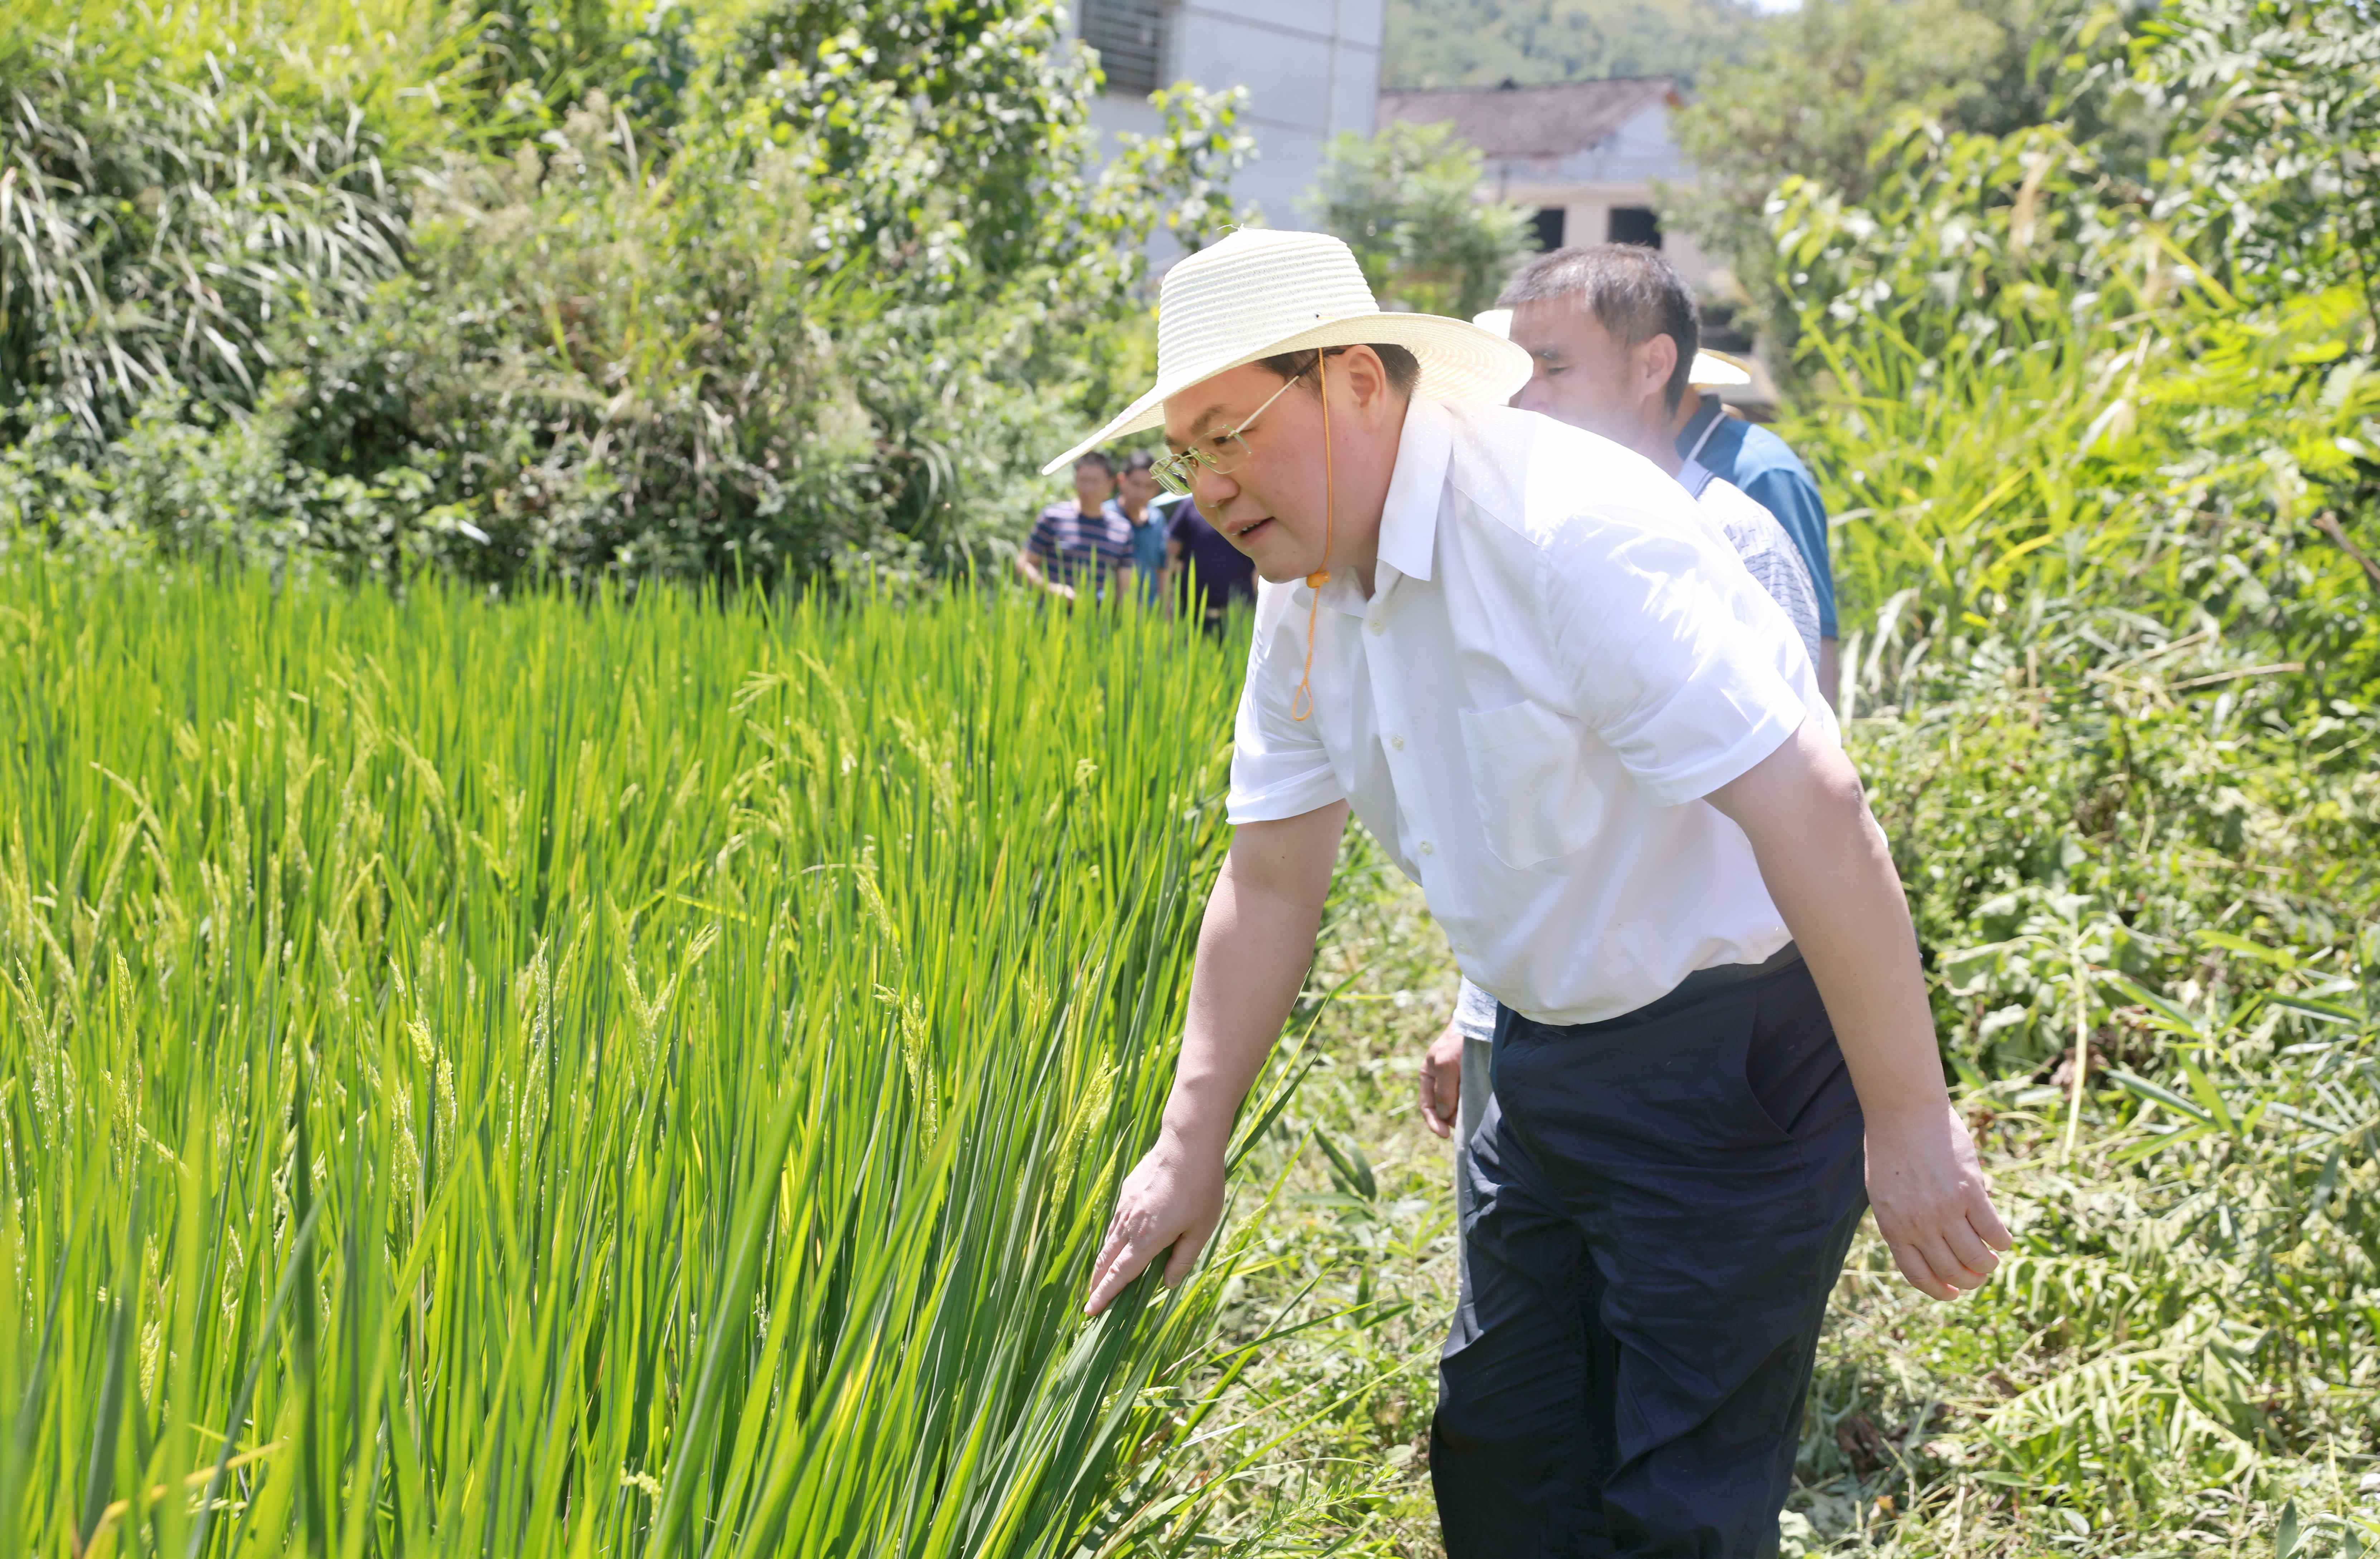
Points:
1530	772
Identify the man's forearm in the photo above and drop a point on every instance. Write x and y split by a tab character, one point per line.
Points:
1254	948
1830	672
1828	868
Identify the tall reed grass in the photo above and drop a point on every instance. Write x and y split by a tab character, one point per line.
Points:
575	1078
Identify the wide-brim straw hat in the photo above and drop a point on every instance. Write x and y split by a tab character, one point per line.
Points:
1711	370
1260	293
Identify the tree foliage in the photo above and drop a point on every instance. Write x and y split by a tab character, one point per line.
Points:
1826	83
1407	200
2276	165
1479	43
649	291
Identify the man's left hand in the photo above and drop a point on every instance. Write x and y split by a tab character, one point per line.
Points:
1931	1199
1442	1081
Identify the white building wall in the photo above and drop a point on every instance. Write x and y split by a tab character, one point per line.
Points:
1311	68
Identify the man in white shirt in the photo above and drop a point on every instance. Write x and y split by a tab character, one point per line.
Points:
1564	708
1614	339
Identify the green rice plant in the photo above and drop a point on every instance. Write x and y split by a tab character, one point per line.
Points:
586	1077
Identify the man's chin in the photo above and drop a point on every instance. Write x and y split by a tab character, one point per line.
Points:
1266	560
1280	571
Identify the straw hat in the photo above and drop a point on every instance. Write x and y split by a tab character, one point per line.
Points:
1714	370
1260	293
1710	369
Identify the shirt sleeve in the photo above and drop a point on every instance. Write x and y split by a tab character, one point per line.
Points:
1043	543
1475	1011
1787	491
1279	766
1684	689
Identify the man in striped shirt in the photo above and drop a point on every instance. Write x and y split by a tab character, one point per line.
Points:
1084	541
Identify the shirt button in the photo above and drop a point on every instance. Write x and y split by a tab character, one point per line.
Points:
1397	742
1428	848
1379	627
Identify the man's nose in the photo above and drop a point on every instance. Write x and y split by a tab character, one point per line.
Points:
1530	396
1210	489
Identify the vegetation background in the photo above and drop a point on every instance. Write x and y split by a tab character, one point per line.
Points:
568	304
563	289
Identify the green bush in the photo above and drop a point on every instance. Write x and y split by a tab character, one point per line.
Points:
1408	201
733	296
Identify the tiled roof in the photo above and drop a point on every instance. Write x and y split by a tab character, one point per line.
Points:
1510	121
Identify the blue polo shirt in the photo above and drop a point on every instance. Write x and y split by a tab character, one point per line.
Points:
1759	462
1147	546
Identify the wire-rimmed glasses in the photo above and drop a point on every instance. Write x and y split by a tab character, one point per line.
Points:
1220	452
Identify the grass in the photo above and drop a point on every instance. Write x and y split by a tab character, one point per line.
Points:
584	1078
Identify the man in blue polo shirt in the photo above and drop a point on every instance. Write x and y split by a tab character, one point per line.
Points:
1769	471
1136	496
1609	285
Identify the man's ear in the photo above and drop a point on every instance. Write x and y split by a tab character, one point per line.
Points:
1366	376
1656	359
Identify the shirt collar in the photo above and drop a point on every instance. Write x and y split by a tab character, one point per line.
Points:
1690	436
1409	516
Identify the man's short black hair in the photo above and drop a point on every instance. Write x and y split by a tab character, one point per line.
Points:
1138	460
1095	459
1405	370
1631	291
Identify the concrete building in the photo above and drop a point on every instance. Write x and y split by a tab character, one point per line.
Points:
1585	155
1312	69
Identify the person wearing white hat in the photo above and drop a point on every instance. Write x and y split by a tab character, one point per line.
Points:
1518	653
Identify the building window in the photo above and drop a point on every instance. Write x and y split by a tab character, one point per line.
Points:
1130	37
1548	225
1635	224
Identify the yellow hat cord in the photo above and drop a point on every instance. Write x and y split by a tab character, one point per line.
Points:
1320	577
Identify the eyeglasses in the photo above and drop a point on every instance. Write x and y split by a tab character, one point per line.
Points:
1221	453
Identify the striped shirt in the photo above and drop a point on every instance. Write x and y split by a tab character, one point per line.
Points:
1761	539
1072	546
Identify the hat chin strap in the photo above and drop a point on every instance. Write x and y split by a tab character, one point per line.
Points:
1300	703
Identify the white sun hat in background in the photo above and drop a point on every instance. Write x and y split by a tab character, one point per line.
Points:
1716	370
1711	370
1260	293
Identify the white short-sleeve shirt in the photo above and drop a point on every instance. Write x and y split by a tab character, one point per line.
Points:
1560	658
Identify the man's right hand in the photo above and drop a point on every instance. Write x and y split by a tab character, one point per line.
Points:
1442	1081
1172	1199
1254	947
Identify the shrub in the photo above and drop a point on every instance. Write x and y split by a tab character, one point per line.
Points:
838	283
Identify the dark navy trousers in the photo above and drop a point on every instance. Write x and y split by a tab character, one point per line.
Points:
1661	1204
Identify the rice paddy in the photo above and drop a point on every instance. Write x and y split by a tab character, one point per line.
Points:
616	1076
